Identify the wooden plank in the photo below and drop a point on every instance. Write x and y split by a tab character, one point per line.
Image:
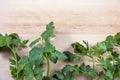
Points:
75	20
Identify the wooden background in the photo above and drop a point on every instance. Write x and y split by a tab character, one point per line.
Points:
75	20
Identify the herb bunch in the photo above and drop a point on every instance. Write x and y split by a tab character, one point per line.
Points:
43	52
12	43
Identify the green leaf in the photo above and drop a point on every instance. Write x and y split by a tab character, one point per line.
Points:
70	72
109	42
87	71
36	55
117	37
109	74
60	56
72	57
69	55
100	48
76	71
49	33
24	43
15	42
5	40
59	75
28	71
38	72
48	78
76	58
15	39
34	42
67	68
49	48
14	36
2	41
22	63
57	56
79	48
53	58
13	71
103	62
87	44
29	75
12	61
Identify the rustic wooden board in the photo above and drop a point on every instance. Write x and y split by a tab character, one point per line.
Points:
75	20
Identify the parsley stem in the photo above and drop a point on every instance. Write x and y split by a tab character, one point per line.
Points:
48	67
16	60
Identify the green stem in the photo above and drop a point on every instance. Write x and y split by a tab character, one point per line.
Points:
16	59
13	53
48	67
113	61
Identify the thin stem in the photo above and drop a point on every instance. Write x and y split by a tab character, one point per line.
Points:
16	59
48	67
13	53
112	61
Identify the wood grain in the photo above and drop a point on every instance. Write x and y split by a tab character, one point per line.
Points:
75	20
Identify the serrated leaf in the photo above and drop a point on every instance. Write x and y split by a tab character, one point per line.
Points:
28	72
87	70
36	55
76	71
15	39
109	74
69	56
59	75
38	72
34	42
13	71
67	68
14	36
48	78
117	37
57	56
86	44
53	58
49	48
24	43
49	33
22	63
60	55
99	48
12	61
79	48
5	40
76	58
70	72
109	42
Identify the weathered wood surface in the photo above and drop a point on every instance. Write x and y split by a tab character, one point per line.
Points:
75	20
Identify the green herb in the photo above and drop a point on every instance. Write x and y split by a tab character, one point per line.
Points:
111	70
44	51
12	43
79	50
88	71
67	73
